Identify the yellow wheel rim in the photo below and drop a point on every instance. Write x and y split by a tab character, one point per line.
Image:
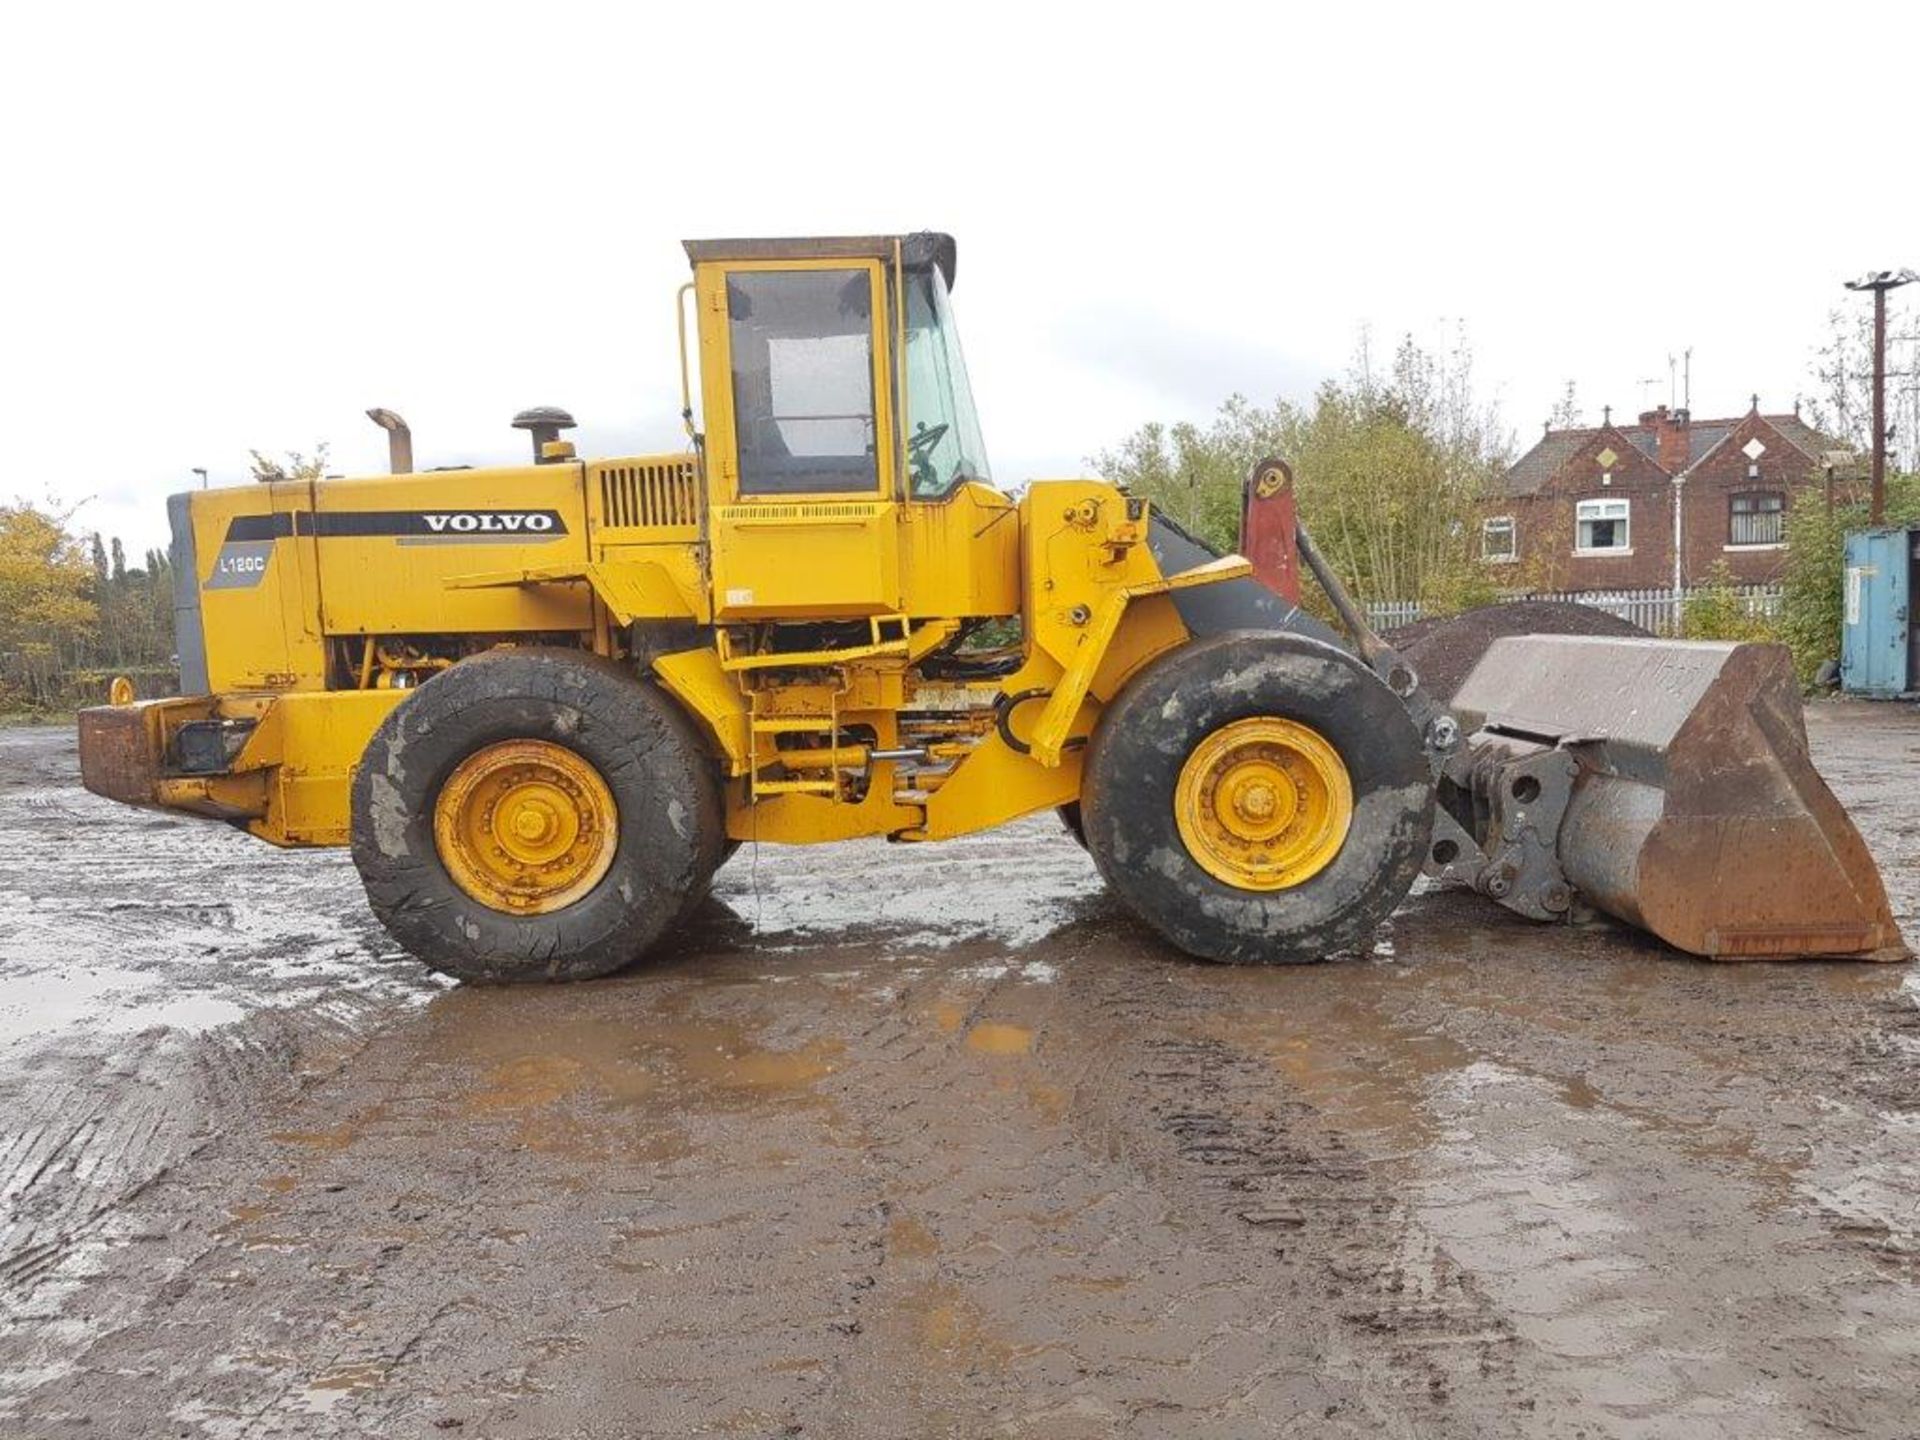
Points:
525	826
1264	804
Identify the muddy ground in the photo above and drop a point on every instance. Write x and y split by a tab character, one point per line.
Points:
925	1142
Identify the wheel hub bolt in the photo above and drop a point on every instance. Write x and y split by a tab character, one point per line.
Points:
533	823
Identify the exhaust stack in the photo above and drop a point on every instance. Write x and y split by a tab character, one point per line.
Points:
399	441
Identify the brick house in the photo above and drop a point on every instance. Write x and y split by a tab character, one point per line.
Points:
1596	509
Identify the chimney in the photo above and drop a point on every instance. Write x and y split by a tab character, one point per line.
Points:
1669	436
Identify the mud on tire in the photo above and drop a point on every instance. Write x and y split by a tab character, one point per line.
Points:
1147	734
665	788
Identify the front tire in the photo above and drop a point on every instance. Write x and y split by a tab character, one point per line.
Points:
535	814
1258	798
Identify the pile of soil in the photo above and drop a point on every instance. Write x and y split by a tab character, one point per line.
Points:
1444	652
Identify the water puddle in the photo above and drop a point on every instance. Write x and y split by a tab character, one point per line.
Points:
1015	885
994	1037
1356	1068
953	1332
36	1001
334	1140
327	1389
908	1239
188	1014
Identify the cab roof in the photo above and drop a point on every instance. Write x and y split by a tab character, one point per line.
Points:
917	251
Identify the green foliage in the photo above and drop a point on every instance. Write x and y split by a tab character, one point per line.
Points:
1813	605
72	613
1390	470
47	611
293	465
1715	611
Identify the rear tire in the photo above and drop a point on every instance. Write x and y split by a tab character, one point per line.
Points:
616	732
1185	699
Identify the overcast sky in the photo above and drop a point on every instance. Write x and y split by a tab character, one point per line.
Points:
231	227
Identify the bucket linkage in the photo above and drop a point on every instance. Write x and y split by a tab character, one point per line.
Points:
1665	782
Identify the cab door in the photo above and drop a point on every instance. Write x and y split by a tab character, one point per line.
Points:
796	373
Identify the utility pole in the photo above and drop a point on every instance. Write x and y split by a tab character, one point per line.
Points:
1880	282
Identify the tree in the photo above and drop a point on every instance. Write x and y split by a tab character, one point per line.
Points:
1566	411
47	615
1390	471
292	465
1812	604
1842	372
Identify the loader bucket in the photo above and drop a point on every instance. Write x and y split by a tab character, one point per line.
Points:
1696	812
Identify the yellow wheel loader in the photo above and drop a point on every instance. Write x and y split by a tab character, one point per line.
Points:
542	702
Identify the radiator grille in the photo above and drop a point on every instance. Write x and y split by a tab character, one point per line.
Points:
832	510
654	495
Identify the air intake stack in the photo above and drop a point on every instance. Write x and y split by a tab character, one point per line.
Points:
544	423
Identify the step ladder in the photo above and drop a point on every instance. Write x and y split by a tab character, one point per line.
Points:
763	732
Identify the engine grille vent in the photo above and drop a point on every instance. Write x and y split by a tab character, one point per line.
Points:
833	510
650	496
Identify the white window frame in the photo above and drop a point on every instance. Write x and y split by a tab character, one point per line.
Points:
1487	527
1743	547
1610	508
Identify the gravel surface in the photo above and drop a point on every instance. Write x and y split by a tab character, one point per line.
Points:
930	1141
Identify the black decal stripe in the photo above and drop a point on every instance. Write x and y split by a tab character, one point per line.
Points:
375	524
260	527
363	524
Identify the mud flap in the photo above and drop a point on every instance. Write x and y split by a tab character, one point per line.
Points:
1695	811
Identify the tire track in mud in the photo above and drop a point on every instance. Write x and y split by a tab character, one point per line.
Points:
89	1134
161	981
1518	1181
1405	1328
76	1151
1306	1285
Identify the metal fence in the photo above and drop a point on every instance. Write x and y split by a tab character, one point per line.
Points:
1656	610
1392	614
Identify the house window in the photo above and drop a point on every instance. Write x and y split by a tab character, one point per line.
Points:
1757	518
1600	527
1497	540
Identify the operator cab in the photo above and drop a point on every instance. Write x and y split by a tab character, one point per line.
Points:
798	369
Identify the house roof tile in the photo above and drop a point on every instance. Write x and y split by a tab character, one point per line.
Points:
1532	471
1540	464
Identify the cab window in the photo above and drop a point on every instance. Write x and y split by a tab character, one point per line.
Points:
803	405
944	446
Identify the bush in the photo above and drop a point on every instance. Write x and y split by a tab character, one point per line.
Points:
1715	611
1812	607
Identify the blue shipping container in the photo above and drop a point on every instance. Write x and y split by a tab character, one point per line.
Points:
1879	643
